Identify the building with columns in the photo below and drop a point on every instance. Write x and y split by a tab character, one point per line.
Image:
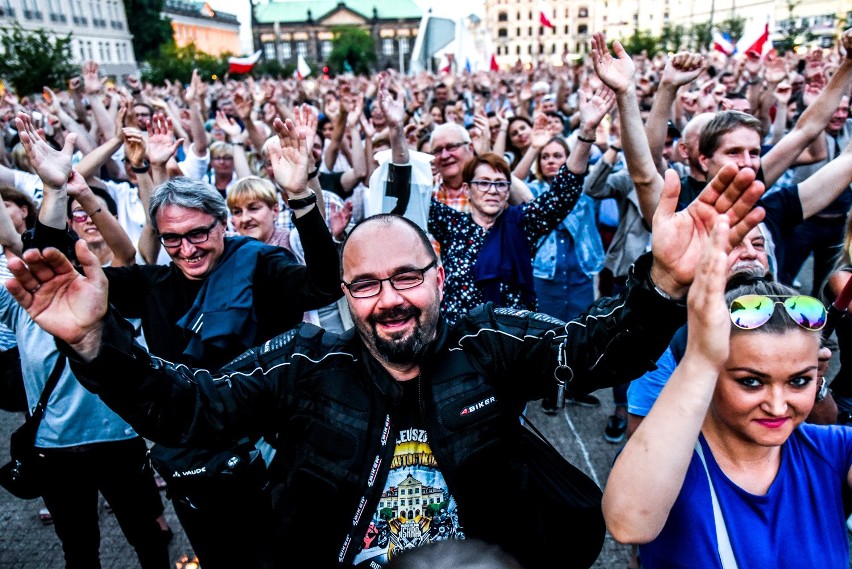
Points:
98	29
517	33
289	28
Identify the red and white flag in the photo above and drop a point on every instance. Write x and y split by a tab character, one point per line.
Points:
494	66
542	16
721	42
755	39
242	64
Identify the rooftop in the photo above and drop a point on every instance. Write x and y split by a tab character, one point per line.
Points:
297	10
198	10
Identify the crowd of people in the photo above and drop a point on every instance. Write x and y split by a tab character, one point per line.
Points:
320	307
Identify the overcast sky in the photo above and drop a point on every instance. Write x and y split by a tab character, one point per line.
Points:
242	9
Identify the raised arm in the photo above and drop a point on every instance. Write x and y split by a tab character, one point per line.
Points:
124	253
813	121
680	70
826	184
617	74
54	169
193	97
93	161
648	475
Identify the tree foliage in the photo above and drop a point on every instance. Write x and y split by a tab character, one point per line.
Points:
176	64
150	29
34	59
733	26
700	36
642	41
672	38
352	47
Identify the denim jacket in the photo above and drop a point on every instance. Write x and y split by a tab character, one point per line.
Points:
580	223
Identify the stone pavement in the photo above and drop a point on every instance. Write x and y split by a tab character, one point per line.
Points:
25	543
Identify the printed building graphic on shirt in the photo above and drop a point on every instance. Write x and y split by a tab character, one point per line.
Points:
415	507
410	498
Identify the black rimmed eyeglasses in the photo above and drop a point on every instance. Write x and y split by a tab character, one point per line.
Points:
196	236
404	280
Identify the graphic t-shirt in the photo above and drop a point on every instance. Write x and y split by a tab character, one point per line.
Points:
415	508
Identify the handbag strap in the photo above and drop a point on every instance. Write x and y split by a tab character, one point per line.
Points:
726	552
52	380
530	424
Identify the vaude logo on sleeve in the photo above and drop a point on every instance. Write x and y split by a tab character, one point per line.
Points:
477	406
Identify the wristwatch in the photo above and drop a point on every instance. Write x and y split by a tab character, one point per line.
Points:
303	202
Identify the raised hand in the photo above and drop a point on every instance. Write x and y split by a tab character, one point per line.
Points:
64	303
134	146
846	43
76	185
290	158
707	312
161	139
615	72
594	107
243	105
193	91
52	166
782	93
306	120
228	125
540	135
92	84
775	70
682	69
339	220
678	237
392	107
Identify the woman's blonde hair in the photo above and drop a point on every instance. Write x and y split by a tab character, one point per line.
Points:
252	188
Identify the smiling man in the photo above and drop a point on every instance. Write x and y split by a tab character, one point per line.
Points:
404	404
219	296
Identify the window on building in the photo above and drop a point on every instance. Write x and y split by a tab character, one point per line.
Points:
530	14
517	31
583	12
541	30
529	49
404	45
326	49
7	9
541	49
502	17
553	48
286	50
566	29
530	30
518	16
269	51
582	29
502	33
387	46
302	48
517	50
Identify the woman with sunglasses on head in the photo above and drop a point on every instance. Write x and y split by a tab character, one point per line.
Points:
723	472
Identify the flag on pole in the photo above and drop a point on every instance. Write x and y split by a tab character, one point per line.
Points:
542	16
494	66
722	42
302	68
242	64
755	39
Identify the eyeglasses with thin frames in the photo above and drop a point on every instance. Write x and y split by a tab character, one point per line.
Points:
500	186
452	147
196	236
365	288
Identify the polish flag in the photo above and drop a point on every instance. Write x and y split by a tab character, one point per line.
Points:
722	42
542	16
494	66
242	64
755	39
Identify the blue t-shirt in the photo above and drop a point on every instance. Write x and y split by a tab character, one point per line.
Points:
798	523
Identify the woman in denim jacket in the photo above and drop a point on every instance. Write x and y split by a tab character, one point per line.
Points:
571	255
